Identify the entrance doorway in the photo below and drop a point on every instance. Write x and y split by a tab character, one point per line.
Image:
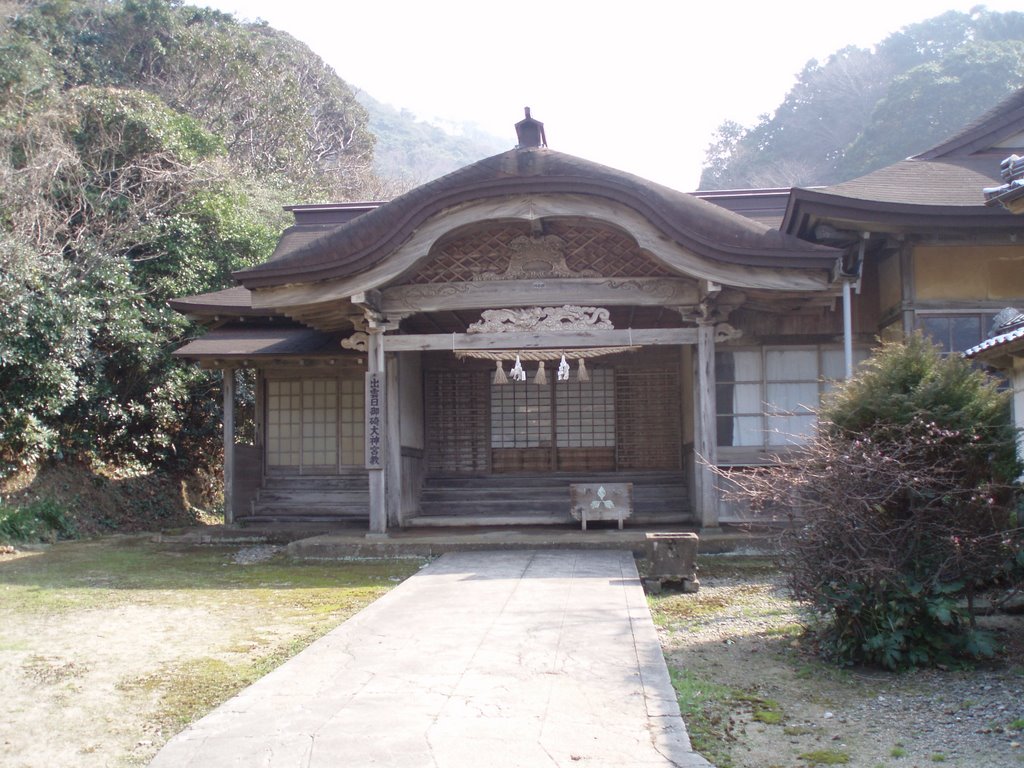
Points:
623	418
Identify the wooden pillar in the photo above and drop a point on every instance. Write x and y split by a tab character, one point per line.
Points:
229	444
393	466
378	500
706	428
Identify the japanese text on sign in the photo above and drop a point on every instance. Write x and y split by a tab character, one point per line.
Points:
374	421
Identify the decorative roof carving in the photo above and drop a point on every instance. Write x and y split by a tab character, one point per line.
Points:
533	258
358	341
565	318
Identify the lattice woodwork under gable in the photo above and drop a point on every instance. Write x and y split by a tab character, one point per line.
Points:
604	250
458	261
588	248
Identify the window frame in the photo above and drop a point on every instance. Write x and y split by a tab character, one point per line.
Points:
758	452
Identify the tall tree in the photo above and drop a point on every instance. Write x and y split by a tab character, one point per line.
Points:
146	148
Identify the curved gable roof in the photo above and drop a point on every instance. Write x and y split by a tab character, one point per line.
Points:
706	229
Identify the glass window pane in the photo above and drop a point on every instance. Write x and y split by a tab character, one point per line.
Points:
833	364
792	364
790	398
966	332
738	365
937	329
789	430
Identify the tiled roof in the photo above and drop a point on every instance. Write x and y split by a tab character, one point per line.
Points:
996	342
951	182
703	228
1010	330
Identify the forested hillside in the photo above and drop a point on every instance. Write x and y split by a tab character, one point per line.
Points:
412	152
146	149
864	109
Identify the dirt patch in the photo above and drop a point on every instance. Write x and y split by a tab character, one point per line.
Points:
109	648
758	698
105	500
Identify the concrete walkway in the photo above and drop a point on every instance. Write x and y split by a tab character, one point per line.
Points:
510	658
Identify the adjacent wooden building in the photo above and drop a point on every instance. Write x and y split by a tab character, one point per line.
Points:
463	354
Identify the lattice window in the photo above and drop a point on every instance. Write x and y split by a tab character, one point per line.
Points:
457	421
284	423
585	411
648	418
520	415
312	422
320	422
353	424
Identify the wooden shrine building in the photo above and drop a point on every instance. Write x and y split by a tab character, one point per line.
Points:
465	352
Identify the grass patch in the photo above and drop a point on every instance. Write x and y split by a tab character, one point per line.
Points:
769	712
897	751
709	710
269	610
706	709
825	757
1017	725
105	572
938	757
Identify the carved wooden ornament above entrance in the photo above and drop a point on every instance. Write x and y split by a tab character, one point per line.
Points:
534	258
565	318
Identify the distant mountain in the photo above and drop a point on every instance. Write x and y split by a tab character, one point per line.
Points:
863	109
411	151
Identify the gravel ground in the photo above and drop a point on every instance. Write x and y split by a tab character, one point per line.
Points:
738	642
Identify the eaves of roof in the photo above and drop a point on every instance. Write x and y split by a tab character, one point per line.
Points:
236	301
702	227
236	343
907	197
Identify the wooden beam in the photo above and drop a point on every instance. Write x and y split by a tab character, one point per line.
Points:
601	291
640	337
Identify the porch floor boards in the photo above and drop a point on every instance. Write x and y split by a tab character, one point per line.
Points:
460	500
517	499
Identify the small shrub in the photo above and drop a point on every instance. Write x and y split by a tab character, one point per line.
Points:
42	520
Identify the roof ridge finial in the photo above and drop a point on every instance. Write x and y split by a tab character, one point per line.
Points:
530	132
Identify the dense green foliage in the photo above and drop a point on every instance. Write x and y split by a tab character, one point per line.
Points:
146	149
41	520
861	110
903	507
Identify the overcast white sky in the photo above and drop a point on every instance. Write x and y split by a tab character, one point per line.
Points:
639	85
